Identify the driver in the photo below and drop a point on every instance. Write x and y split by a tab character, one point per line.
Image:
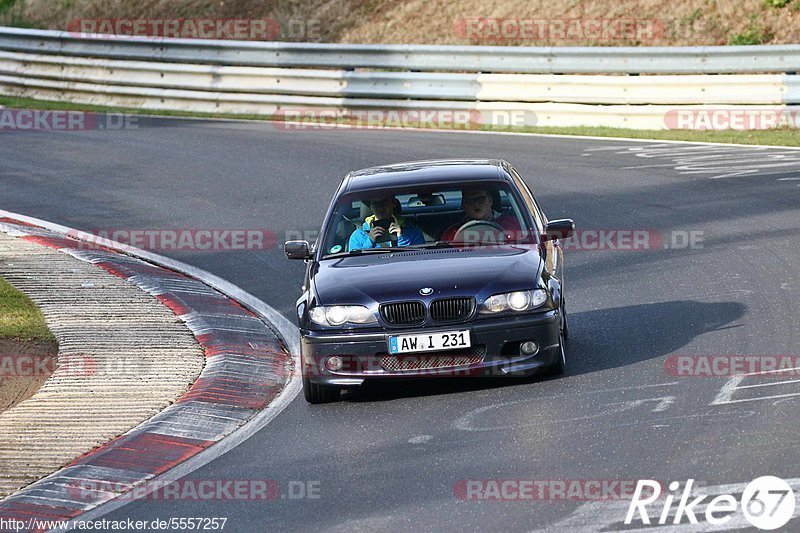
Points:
478	204
401	234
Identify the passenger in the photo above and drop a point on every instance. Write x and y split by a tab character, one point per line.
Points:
372	235
478	204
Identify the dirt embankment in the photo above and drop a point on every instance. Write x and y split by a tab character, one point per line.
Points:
24	367
502	22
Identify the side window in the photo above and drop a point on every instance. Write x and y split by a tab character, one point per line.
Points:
348	221
538	217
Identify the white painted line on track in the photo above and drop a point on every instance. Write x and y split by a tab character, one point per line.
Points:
467	423
286	330
758	399
473	132
775	371
727	391
774	383
716	162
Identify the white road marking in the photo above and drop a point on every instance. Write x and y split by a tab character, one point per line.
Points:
775	371
727	391
637	167
784	400
771	384
481	132
663	403
760	398
466	422
715	161
711	417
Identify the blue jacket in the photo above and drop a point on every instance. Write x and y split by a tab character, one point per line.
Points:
360	238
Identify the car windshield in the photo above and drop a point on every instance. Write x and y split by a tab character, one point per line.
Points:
386	220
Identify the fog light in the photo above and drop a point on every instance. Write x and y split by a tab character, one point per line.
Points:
334	363
528	348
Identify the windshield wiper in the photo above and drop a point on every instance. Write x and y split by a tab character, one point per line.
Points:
427	246
391	249
362	251
491	243
437	244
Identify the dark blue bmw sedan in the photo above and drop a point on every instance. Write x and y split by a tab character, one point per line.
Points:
434	269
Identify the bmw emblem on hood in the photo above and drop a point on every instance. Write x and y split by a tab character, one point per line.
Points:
426	291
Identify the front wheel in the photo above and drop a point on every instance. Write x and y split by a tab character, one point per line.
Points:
314	393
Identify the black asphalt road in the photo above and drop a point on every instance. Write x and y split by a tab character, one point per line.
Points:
391	458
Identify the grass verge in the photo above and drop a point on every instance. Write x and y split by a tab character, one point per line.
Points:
20	320
776	137
24	337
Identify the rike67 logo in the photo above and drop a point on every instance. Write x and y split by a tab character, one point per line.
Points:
767	503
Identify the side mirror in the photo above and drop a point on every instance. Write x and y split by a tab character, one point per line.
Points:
558	229
296	250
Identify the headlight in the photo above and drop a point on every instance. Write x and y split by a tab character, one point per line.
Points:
519	301
337	315
514	301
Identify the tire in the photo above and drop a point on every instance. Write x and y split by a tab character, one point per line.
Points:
564	321
315	394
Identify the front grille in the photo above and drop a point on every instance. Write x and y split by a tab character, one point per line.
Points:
452	309
453	359
403	313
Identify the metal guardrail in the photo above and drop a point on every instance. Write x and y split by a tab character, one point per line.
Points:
530	60
597	89
268	77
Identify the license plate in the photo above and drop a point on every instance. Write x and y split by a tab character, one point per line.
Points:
429	342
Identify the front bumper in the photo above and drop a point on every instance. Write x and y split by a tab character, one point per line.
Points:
496	351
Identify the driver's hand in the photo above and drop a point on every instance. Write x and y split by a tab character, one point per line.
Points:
394	228
375	233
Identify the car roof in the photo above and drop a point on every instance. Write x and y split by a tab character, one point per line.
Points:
411	173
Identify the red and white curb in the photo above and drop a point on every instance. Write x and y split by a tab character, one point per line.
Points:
247	379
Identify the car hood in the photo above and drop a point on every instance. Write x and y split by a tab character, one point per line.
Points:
479	272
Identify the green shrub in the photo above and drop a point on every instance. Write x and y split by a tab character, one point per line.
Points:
754	34
6	5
